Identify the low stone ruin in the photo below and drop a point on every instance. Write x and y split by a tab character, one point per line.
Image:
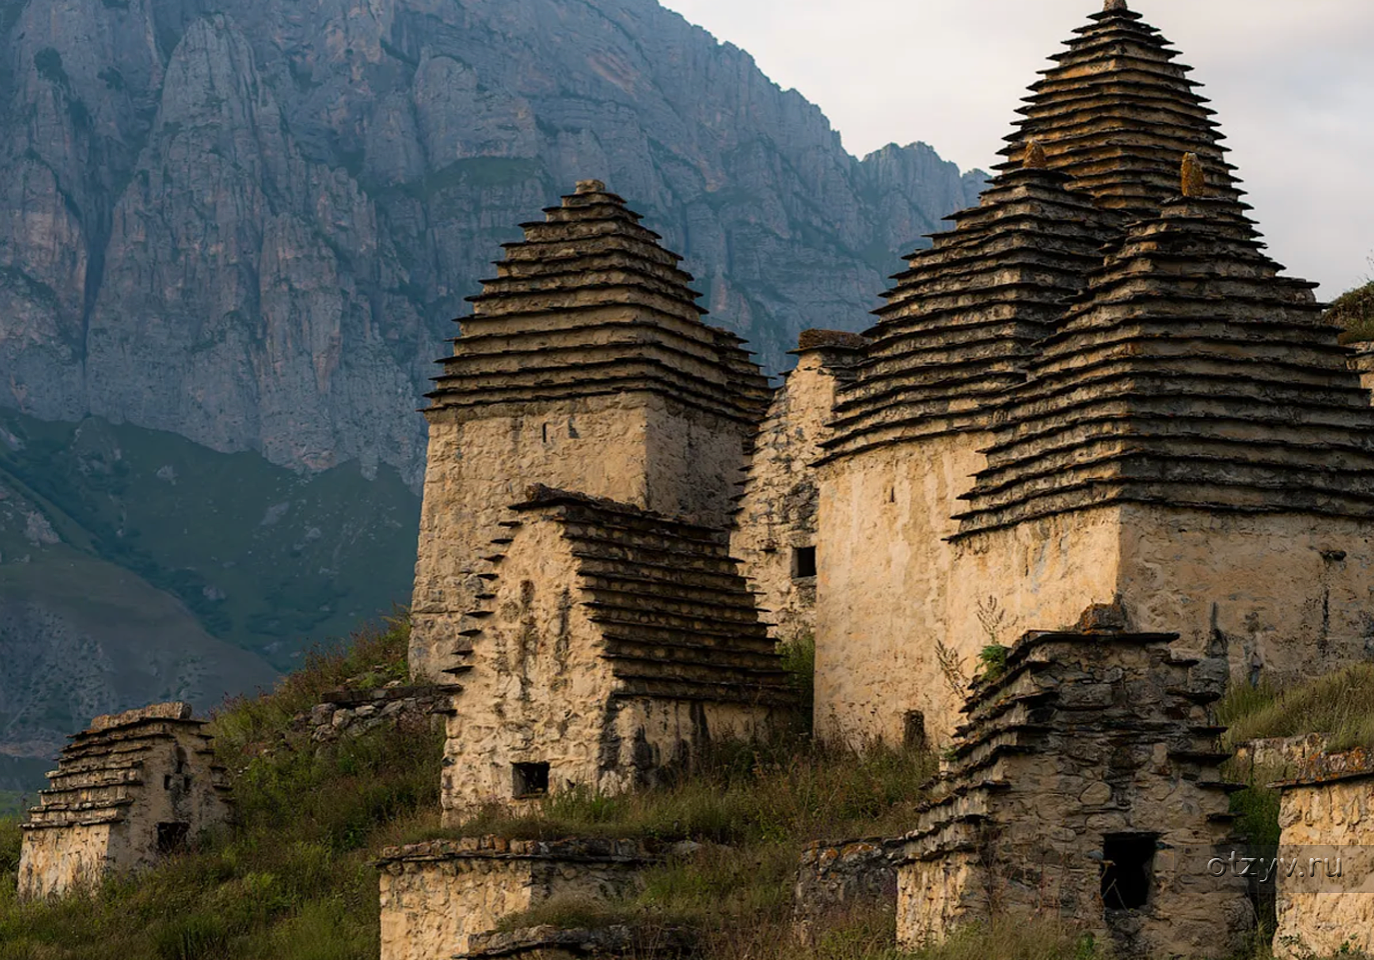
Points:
838	878
351	712
437	896
133	788
555	943
1084	785
1325	867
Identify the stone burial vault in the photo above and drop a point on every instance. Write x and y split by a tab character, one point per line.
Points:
134	787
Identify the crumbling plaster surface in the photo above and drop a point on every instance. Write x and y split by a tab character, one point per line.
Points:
478	466
538	690
635	448
782	497
884	575
1289	593
1319	917
53	862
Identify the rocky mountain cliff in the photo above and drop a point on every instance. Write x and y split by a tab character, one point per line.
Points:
232	237
249	223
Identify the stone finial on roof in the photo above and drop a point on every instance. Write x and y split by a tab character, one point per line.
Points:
591	186
830	339
1114	6
1035	156
157	711
1194	176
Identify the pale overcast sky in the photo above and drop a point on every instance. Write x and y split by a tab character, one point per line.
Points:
1292	82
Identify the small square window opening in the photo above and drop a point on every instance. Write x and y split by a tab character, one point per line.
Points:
1127	870
803	562
531	779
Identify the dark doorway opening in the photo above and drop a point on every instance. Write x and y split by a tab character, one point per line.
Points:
1128	870
803	562
914	731
531	779
171	837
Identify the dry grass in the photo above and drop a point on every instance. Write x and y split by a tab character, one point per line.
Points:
1340	705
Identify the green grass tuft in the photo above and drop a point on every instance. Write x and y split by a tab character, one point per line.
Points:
1354	311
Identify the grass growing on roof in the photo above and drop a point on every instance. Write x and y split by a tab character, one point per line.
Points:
1340	705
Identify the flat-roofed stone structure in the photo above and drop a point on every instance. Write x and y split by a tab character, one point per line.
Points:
609	646
776	526
436	896
134	787
1325	877
1084	785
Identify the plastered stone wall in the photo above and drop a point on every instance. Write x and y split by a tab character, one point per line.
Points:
540	685
782	495
1327	818
53	862
635	448
1291	594
127	790
435	896
884	579
538	691
478	465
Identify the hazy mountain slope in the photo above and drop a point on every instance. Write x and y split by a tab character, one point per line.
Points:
238	232
136	565
251	226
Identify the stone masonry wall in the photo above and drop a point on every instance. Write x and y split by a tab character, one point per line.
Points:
1085	742
834	878
1327	813
127	791
781	501
478	466
435	896
639	449
884	581
538	691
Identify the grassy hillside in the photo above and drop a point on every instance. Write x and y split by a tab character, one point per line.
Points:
264	558
1354	310
293	880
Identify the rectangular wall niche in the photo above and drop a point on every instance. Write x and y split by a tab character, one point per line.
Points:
803	562
1128	870
531	779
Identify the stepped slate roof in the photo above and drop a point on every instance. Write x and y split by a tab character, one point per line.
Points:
103	771
959	325
590	304
1116	112
676	618
1190	374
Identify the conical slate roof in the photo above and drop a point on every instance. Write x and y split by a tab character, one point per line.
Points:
1189	374
590	304
959	325
1116	112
